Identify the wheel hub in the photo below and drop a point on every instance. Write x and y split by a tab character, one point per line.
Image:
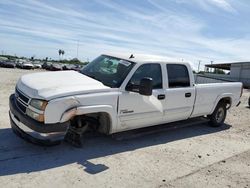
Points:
220	115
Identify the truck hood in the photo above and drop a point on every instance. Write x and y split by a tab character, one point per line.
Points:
49	85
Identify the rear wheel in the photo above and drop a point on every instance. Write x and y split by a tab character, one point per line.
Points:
218	117
249	101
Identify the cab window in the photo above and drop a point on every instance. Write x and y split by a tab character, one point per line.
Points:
178	76
151	70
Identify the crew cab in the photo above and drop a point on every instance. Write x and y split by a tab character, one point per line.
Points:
114	94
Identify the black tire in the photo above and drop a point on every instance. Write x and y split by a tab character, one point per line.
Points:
249	101
218	117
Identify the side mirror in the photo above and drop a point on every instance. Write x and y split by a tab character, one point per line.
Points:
146	86
132	87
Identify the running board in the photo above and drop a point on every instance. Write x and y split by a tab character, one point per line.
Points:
158	128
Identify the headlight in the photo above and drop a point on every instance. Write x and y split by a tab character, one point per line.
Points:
38	104
36	109
34	115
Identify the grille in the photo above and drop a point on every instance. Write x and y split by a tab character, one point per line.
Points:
22	101
22	97
21	106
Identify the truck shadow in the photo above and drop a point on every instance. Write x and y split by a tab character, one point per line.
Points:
18	156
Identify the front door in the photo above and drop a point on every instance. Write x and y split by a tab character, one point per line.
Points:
136	110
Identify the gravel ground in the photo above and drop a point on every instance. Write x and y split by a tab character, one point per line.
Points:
194	156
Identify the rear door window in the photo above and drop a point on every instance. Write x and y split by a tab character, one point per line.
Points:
178	76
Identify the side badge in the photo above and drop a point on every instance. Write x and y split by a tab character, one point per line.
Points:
126	111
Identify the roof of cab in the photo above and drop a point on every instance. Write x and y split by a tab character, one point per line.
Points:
142	58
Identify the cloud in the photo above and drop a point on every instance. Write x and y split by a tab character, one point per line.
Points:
211	6
225	5
175	29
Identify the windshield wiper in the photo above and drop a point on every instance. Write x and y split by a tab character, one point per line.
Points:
94	77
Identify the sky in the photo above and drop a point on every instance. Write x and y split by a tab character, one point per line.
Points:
182	30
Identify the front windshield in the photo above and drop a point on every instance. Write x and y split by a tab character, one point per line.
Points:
111	71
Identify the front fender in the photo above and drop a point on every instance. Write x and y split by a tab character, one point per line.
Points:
57	107
81	110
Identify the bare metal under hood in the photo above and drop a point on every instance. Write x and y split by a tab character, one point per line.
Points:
49	85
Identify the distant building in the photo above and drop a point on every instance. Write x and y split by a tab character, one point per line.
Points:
238	71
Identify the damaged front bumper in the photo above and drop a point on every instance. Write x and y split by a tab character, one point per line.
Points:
32	130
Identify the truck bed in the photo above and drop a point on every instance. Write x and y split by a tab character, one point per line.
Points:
209	94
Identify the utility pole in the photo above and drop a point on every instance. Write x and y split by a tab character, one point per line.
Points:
77	48
199	66
211	64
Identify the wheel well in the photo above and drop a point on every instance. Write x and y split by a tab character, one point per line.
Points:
227	101
101	121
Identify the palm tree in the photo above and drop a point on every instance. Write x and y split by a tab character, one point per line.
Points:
59	52
63	52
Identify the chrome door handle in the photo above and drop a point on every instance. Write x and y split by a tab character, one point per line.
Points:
188	95
161	97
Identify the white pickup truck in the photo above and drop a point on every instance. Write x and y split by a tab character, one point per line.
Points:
114	94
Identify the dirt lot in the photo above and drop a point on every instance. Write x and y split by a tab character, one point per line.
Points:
195	156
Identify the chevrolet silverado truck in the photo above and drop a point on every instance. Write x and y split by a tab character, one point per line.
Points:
114	94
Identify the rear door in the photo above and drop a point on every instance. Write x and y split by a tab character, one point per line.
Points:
180	93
